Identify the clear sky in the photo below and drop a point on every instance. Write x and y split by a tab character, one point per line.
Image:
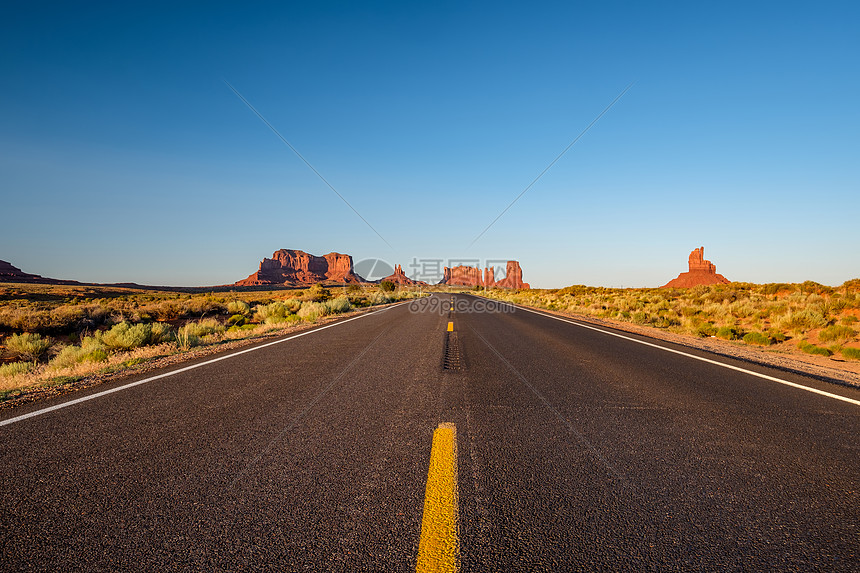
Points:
125	157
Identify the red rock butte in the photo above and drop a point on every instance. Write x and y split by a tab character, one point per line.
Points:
472	276
294	268
702	272
400	278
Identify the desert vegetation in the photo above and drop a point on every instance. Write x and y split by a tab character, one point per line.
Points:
58	334
809	317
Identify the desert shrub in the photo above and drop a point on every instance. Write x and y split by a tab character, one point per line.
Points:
15	368
715	311
66	318
200	306
706	329
718	295
778	310
125	336
185	340
312	310
379	298
338	305
640	317
689	311
837	303
851	353
387	286
757	338
28	346
802	320
90	350
813	287
236	320
742	309
165	310
277	312
848	320
729	333
775	288
318	293
238	307
666	321
160	333
698	291
263	312
813	349
288	319
837	333
353	288
776	335
202	328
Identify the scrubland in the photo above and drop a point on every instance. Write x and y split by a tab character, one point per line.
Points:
57	335
807	317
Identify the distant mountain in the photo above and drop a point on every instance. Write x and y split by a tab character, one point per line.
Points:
9	273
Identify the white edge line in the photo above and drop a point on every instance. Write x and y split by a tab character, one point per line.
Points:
186	369
708	360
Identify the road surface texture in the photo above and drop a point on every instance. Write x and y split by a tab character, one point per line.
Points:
575	450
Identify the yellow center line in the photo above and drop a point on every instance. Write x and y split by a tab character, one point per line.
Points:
450	327
439	546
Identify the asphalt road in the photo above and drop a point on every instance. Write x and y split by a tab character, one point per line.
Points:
576	450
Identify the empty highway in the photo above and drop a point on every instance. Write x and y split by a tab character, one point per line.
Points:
576	448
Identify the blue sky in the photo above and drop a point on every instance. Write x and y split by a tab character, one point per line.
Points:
125	157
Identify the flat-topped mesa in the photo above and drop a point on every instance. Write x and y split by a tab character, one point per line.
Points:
9	273
400	278
463	276
472	276
292	267
702	272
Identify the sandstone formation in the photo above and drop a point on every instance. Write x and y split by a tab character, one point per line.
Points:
472	276
462	276
513	277
400	278
702	272
296	268
489	276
